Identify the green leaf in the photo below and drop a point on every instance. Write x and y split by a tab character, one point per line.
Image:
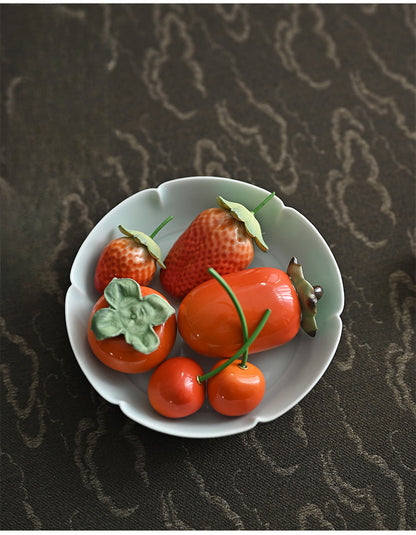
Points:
241	213
131	314
145	341
143	239
106	324
158	310
119	291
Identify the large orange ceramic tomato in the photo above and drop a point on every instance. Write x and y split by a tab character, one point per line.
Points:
210	325
116	352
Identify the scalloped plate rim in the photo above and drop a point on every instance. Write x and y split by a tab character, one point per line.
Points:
175	427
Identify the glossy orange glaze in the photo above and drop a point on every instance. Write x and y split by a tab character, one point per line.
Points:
236	391
174	390
210	325
118	354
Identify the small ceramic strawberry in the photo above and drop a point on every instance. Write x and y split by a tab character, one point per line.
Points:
133	256
221	238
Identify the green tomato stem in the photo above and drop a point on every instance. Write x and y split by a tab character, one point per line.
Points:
265	201
153	234
243	349
237	305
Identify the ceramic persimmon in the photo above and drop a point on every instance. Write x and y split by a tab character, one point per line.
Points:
132	328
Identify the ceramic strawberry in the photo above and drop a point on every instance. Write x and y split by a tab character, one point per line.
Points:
132	256
219	237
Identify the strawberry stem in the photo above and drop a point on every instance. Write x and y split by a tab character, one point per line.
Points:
153	234
243	349
265	201
142	239
237	305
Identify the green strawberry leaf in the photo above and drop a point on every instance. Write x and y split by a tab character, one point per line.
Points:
241	213
131	314
143	239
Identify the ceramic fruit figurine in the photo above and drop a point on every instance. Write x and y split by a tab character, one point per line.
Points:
210	325
132	328
132	256
221	238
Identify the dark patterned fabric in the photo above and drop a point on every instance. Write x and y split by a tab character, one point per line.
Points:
316	102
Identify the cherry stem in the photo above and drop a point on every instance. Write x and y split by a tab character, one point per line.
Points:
243	349
238	307
153	234
266	200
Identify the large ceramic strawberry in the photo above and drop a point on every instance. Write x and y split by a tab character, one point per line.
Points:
133	256
221	238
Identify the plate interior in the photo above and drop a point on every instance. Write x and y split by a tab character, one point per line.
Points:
290	371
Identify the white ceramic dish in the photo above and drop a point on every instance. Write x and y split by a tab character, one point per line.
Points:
290	371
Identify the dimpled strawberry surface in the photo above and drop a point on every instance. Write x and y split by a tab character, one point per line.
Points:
214	239
123	258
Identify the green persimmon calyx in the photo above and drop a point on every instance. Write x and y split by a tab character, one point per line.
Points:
131	314
147	241
248	217
308	296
